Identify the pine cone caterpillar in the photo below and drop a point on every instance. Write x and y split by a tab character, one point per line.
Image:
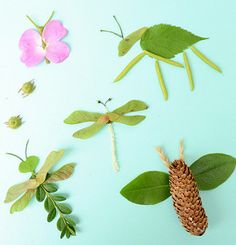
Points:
185	195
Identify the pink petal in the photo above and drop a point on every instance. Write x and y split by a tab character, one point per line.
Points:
30	39
57	52
54	31
33	56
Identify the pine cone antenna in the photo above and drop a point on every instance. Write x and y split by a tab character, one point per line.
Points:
163	157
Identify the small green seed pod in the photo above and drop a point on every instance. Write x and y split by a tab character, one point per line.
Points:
14	122
27	88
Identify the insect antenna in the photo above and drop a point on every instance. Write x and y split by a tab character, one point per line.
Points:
26	149
121	35
105	103
14	155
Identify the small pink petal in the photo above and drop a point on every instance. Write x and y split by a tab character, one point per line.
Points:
30	39
54	31
33	56
57	52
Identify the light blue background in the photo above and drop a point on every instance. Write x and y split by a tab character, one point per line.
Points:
205	119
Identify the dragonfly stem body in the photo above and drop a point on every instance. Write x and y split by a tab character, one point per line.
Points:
113	145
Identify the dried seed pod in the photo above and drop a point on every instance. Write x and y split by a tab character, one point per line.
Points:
27	88
185	195
14	122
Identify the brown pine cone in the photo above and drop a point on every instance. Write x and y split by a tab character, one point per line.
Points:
186	199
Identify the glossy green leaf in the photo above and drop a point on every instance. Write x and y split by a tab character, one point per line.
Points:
52	159
129	120
60	224
127	43
50	187
71	230
65	209
22	202
29	165
71	221
68	233
16	190
63	232
88	132
167	40
58	198
148	188
52	214
48	204
131	106
212	170
62	174
40	194
82	116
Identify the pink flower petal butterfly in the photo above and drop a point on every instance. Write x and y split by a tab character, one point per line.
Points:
44	44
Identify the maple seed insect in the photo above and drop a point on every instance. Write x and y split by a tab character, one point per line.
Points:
27	88
14	122
41	185
161	42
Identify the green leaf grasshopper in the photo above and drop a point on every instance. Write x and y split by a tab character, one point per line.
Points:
161	42
100	120
41	185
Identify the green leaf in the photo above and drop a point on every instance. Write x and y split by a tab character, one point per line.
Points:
71	221
22	202
58	198
65	209
167	40
88	132
128	42
52	215
63	232
62	174
48	204
212	170
16	190
50	161
131	106
148	188
68	233
40	194
29	165
60	224
71	230
129	120
82	116
50	187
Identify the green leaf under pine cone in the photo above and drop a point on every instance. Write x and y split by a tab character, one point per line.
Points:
148	188
212	170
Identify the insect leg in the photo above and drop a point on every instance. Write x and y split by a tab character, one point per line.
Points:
131	64
189	72
161	80
205	59
168	61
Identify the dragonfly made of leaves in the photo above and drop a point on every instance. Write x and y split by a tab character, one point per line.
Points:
41	184
107	119
161	42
